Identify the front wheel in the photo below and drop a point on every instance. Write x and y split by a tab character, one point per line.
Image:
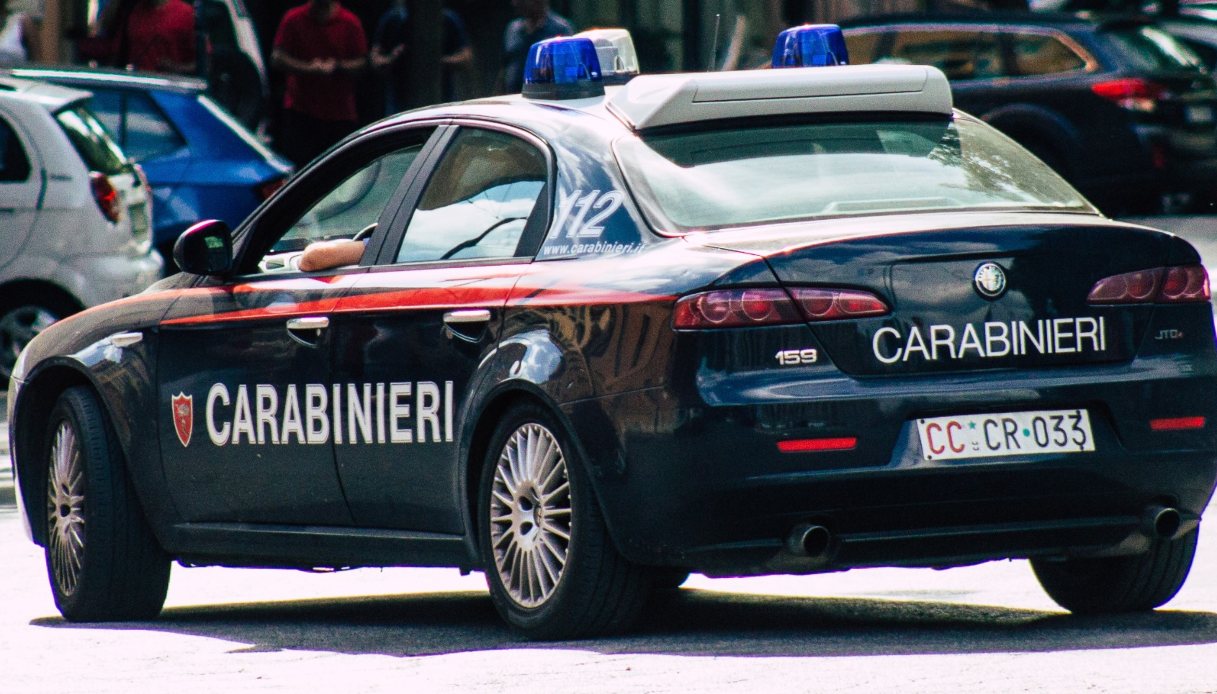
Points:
551	567
102	560
1106	585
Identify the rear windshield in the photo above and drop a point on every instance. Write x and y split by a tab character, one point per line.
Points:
747	175
99	152
1150	48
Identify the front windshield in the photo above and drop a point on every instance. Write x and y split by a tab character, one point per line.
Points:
760	174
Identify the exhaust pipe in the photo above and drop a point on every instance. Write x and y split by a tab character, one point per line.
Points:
808	540
1162	522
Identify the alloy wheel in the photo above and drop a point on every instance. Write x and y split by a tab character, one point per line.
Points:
530	515
65	508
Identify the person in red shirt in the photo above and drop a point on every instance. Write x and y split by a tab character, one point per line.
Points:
322	48
159	36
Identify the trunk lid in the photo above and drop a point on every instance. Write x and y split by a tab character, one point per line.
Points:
940	320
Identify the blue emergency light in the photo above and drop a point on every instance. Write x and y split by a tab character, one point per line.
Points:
810	45
563	68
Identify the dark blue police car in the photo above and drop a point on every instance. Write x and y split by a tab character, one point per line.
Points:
776	321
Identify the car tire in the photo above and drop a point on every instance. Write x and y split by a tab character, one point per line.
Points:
102	560
552	570
22	317
1107	585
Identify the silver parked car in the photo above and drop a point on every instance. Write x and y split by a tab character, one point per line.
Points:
75	213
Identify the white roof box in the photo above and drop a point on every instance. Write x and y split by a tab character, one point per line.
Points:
648	101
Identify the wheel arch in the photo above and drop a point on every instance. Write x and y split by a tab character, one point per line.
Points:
476	444
37	398
533	366
48	292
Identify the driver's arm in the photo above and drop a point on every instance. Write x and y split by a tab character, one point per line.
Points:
323	255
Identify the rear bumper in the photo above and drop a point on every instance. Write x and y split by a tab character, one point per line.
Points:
705	487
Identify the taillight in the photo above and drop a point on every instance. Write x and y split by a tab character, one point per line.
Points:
268	188
1132	93
105	195
733	308
834	304
1161	285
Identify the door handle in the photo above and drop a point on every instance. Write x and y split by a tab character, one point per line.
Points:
467	316
308	323
468	324
124	339
307	330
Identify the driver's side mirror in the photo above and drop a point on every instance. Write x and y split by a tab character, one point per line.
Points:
205	249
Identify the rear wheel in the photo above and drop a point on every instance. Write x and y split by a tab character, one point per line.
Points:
552	570
102	560
1119	584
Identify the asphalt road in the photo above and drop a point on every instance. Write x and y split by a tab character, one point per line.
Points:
984	628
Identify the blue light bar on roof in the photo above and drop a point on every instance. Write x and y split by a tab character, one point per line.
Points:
563	68
810	45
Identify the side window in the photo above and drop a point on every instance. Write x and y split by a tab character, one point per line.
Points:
354	204
14	164
960	54
479	200
1038	54
147	131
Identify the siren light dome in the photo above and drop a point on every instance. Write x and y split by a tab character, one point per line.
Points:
615	50
810	45
566	67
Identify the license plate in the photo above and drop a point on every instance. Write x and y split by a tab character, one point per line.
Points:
1199	114
1005	434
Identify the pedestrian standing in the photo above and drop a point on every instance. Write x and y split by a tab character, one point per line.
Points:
536	23
18	36
158	36
321	47
389	54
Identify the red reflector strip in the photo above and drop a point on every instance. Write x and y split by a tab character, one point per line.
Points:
844	443
1176	424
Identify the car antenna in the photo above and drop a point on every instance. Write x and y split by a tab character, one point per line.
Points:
714	46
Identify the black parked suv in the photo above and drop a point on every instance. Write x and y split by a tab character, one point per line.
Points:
1120	108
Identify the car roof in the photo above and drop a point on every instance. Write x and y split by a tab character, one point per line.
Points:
50	96
1060	20
651	101
109	77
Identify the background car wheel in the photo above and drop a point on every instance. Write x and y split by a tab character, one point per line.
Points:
552	569
21	318
102	560
1119	584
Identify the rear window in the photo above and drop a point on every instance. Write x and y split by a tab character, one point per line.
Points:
1150	48
99	152
747	175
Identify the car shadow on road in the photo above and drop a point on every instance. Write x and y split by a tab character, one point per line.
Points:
692	623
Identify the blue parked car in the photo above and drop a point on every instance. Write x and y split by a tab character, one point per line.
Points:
200	161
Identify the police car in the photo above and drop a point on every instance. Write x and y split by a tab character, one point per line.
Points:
794	320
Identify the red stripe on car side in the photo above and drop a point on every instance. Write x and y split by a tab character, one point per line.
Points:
426	298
